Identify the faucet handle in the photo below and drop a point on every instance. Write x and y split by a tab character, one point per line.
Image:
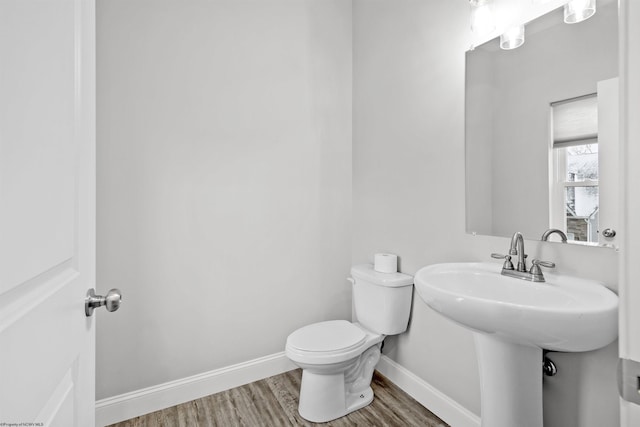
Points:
536	271
508	265
547	264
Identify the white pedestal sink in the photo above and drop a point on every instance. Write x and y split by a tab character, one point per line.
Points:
512	321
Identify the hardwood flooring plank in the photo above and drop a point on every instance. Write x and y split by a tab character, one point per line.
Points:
392	399
222	409
187	414
206	409
273	402
286	388
169	416
267	404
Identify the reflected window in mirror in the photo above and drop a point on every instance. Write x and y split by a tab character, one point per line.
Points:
574	193
575	202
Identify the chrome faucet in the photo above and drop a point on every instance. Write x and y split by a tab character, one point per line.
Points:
517	248
549	232
520	271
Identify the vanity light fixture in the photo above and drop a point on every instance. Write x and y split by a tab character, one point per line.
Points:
512	38
578	10
482	21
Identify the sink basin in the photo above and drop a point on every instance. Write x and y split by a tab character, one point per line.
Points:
564	313
513	320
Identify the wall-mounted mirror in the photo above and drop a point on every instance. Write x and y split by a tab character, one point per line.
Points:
519	176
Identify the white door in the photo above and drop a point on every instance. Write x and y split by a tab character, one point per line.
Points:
47	211
630	195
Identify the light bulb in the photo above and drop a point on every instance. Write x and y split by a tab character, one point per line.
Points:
578	10
512	38
482	22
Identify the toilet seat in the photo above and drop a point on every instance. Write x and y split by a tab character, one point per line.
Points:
328	342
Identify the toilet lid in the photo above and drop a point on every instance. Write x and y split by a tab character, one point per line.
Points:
327	336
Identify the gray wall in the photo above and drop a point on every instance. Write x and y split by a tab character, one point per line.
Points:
408	166
408	198
480	93
224	180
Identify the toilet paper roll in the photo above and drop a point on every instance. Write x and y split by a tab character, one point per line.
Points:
385	263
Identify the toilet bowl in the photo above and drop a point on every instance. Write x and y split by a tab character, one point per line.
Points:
338	357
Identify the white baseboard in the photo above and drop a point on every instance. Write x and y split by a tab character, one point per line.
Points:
449	411
130	405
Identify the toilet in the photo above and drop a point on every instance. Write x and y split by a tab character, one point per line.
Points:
338	357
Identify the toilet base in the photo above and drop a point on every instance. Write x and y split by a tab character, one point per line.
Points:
325	397
357	401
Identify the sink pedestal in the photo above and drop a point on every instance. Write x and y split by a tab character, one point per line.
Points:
510	382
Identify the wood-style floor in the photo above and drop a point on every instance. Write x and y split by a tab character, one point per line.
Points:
274	402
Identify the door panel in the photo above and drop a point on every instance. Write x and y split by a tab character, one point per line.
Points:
47	211
630	196
37	175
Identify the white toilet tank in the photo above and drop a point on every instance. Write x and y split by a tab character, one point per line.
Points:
382	300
